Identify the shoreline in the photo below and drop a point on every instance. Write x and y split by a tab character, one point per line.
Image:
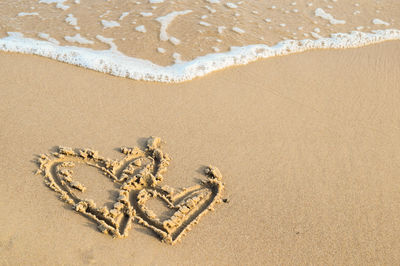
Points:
116	63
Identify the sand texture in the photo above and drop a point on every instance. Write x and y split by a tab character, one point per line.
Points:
138	175
308	145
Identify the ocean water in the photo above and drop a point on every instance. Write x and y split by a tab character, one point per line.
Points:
174	41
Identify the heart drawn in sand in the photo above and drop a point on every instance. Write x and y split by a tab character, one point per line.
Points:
138	176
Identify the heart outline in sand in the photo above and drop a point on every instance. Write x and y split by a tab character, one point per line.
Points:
139	175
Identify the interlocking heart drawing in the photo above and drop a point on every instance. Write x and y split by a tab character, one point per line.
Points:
138	176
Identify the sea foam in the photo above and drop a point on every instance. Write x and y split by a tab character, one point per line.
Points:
116	63
175	41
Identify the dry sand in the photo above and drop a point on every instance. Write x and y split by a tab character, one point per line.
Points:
308	146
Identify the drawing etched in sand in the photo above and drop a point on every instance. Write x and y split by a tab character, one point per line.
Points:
139	175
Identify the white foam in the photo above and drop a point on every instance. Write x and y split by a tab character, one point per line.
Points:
378	21
118	64
78	39
15	34
161	50
221	29
177	57
213	1
315	35
109	41
205	24
174	41
59	3
146	14
105	14
156	1
231	5
123	15
47	37
73	21
166	20
238	30
319	12
23	14
141	28
109	24
212	10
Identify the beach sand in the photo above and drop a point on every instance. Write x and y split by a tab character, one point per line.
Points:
308	145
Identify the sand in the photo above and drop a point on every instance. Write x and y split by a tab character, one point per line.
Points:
307	144
138	177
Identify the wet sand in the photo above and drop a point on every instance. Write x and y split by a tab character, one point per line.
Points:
203	27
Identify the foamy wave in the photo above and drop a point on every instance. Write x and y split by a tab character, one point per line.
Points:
118	64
